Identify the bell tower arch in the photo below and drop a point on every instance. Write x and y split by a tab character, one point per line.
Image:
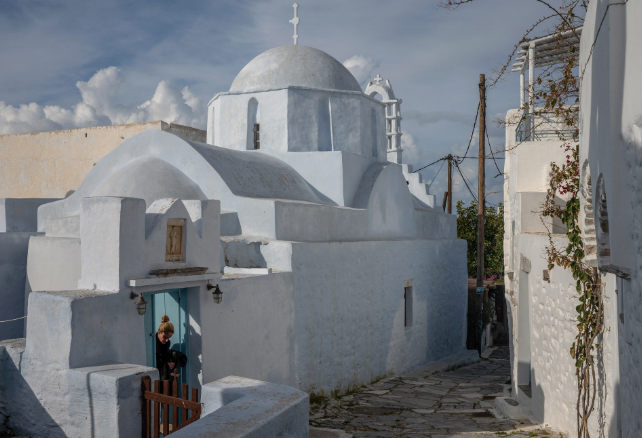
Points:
393	116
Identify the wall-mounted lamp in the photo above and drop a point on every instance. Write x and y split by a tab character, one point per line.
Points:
217	294
141	304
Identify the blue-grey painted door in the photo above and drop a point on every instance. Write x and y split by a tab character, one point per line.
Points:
172	303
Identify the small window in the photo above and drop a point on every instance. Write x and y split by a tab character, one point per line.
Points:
257	136
407	297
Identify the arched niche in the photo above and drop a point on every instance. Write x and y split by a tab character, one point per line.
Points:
253	125
602	223
324	129
374	137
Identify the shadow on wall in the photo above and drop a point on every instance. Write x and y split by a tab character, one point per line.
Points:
22	409
600	423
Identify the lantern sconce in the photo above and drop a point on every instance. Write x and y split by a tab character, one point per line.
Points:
141	304
217	294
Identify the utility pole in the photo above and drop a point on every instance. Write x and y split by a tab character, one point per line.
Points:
481	198
450	184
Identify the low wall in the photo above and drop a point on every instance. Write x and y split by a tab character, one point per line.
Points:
235	407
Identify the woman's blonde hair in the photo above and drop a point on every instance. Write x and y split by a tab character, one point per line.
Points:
166	326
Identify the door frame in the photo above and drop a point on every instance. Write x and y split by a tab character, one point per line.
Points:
150	327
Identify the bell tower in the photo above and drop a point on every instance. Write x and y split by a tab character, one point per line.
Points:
393	116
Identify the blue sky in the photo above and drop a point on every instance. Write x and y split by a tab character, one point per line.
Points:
80	63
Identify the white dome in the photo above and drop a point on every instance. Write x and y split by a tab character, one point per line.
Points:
300	66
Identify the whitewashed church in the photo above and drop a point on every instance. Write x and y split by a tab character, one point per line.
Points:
293	248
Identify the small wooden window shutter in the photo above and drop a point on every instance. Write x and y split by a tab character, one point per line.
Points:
257	136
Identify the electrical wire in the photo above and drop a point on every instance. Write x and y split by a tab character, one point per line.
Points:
9	320
442	165
434	162
465	182
492	154
472	134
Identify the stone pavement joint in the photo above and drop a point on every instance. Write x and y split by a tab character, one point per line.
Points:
452	404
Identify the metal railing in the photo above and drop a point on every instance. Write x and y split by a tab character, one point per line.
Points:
541	125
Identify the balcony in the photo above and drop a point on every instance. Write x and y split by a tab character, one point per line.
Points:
542	125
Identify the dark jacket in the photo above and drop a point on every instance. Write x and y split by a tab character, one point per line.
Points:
164	355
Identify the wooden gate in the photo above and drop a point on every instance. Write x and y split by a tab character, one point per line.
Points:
157	411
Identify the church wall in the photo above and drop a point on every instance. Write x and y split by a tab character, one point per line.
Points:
338	319
51	164
349	308
290	120
336	174
231	128
251	332
373	130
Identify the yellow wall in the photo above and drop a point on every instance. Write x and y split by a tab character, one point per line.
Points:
50	164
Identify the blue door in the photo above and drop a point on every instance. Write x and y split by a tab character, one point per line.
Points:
172	303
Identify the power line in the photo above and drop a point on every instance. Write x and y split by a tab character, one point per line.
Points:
465	182
472	134
476	158
434	162
493	156
442	165
9	320
468	187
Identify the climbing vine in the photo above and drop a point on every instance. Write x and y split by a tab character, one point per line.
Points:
557	91
559	94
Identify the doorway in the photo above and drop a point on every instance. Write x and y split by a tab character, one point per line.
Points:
172	303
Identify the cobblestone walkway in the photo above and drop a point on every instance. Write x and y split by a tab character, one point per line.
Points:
448	404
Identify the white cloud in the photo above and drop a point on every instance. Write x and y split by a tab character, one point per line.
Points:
362	68
99	107
412	153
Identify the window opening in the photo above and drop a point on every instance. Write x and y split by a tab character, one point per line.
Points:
257	136
407	296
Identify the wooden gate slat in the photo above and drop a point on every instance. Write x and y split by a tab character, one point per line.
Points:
174	407
157	390
166	410
146	407
184	409
160	399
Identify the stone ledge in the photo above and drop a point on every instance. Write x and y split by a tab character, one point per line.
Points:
171	280
509	408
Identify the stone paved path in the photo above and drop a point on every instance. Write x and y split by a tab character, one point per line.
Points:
448	404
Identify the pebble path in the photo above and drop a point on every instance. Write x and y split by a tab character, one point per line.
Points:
449	404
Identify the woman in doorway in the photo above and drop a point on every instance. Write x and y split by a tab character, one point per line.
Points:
167	360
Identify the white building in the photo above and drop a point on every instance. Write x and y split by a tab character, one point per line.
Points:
611	141
543	310
334	267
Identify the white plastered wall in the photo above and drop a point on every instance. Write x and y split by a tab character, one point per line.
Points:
611	145
542	313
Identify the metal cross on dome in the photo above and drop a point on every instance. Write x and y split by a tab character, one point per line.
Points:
295	21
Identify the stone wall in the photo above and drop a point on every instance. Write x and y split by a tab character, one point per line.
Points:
53	164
